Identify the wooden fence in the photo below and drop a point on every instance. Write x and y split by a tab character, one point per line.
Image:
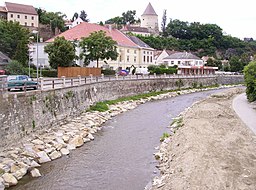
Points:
75	71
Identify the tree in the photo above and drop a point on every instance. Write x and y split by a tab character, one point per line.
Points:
75	16
61	53
163	24
83	16
250	81
98	46
14	41
54	19
15	68
235	64
129	17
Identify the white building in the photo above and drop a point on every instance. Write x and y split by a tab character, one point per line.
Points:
69	24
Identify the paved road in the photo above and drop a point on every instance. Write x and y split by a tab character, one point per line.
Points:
246	111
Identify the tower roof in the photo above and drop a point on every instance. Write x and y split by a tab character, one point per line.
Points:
149	10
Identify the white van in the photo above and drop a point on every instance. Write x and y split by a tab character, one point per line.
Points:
141	71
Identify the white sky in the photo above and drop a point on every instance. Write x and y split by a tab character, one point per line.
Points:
235	17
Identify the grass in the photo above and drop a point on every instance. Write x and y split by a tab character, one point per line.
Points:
103	106
164	136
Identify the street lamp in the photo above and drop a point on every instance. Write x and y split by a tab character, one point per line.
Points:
36	32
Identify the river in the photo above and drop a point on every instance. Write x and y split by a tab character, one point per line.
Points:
121	156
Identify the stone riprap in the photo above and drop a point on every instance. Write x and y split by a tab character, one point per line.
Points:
59	140
25	113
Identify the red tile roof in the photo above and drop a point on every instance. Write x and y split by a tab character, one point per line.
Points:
20	8
85	29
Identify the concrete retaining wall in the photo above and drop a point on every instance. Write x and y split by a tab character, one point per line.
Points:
24	113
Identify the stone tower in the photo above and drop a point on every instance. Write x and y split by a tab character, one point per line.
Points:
149	19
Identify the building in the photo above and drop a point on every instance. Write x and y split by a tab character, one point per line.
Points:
132	51
148	25
161	54
149	19
26	15
188	64
71	24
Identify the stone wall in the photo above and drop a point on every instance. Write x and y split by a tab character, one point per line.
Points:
30	112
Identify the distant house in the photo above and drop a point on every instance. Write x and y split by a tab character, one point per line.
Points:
71	24
132	51
136	30
26	15
248	39
188	63
160	55
4	60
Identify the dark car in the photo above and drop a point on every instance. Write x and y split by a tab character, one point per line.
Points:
21	82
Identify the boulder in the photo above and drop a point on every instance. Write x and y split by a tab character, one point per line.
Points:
37	142
64	151
34	164
35	173
9	179
90	136
43	157
65	138
77	141
20	173
54	155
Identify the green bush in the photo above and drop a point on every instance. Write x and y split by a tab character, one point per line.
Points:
250	81
15	68
49	73
108	72
162	69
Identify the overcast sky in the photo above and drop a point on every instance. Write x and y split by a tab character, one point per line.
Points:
235	17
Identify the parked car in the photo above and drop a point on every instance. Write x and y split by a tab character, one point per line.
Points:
141	71
123	73
21	82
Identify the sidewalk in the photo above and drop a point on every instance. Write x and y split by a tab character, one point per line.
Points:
246	111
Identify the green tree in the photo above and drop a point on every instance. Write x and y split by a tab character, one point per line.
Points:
98	46
129	17
163	24
250	81
15	68
61	53
235	64
83	16
14	41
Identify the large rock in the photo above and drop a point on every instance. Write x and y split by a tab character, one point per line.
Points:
43	157
64	151
34	164
54	155
37	142
90	136
35	173
77	141
1	184
20	173
65	138
9	179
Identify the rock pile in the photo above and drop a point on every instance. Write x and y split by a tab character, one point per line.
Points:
60	140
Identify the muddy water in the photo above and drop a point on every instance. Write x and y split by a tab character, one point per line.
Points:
120	157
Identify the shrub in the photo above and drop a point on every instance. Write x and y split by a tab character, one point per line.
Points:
49	73
15	68
108	72
250	81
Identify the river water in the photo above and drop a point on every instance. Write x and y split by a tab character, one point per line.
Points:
121	156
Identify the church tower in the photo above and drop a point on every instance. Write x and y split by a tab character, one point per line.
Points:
149	19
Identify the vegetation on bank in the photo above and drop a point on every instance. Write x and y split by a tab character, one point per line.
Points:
104	105
250	81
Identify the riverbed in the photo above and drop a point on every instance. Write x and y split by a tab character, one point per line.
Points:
121	156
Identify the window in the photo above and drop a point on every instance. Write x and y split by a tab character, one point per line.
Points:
26	24
11	15
144	59
18	16
172	62
135	51
32	18
147	58
26	17
178	62
128	51
32	24
151	59
128	59
135	59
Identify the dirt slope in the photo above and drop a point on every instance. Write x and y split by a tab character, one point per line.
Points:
213	150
